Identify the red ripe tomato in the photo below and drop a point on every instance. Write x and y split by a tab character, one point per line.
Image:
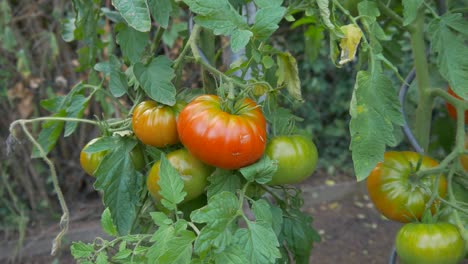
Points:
155	124
194	173
396	191
228	140
451	109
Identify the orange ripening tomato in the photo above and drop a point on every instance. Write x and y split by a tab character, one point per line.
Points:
451	109
155	124
228	140
395	189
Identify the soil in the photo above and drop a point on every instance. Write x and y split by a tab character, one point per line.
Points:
352	230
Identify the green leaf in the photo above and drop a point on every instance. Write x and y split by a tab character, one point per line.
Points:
298	233
410	10
223	180
49	135
222	18
239	39
53	104
103	144
277	219
112	15
122	254
135	12
452	51
75	110
179	249
268	3
132	42
368	10
121	184
86	26
107	224
266	21
155	78
170	36
22	64
374	111
259	243
102	258
262	212
173	244
68	28
171	184
261	171
323	6
9	40
221	207
288	74
118	80
219	215
81	250
160	218
161	10
231	255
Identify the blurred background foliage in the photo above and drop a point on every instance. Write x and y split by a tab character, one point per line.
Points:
36	63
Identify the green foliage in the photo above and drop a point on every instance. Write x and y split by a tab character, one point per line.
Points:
121	183
449	35
221	237
155	79
126	53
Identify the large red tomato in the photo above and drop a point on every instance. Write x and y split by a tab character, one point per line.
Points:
228	140
155	124
451	109
396	191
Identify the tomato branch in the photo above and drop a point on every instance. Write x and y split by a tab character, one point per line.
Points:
193	36
390	13
64	220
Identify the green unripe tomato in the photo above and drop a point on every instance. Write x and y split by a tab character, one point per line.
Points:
90	161
439	243
296	156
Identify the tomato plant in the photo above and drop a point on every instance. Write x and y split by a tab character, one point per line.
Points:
451	109
194	173
155	124
90	161
395	189
164	50
228	139
437	243
296	156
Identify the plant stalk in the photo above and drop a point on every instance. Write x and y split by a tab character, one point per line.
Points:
424	110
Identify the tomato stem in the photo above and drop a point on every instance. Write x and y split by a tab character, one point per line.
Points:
423	111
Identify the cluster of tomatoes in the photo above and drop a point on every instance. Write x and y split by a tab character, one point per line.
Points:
400	195
213	135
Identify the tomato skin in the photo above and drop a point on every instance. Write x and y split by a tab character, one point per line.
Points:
395	192
90	161
451	109
219	138
194	173
438	243
296	156
155	124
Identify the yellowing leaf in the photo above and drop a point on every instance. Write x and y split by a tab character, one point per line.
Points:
349	43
